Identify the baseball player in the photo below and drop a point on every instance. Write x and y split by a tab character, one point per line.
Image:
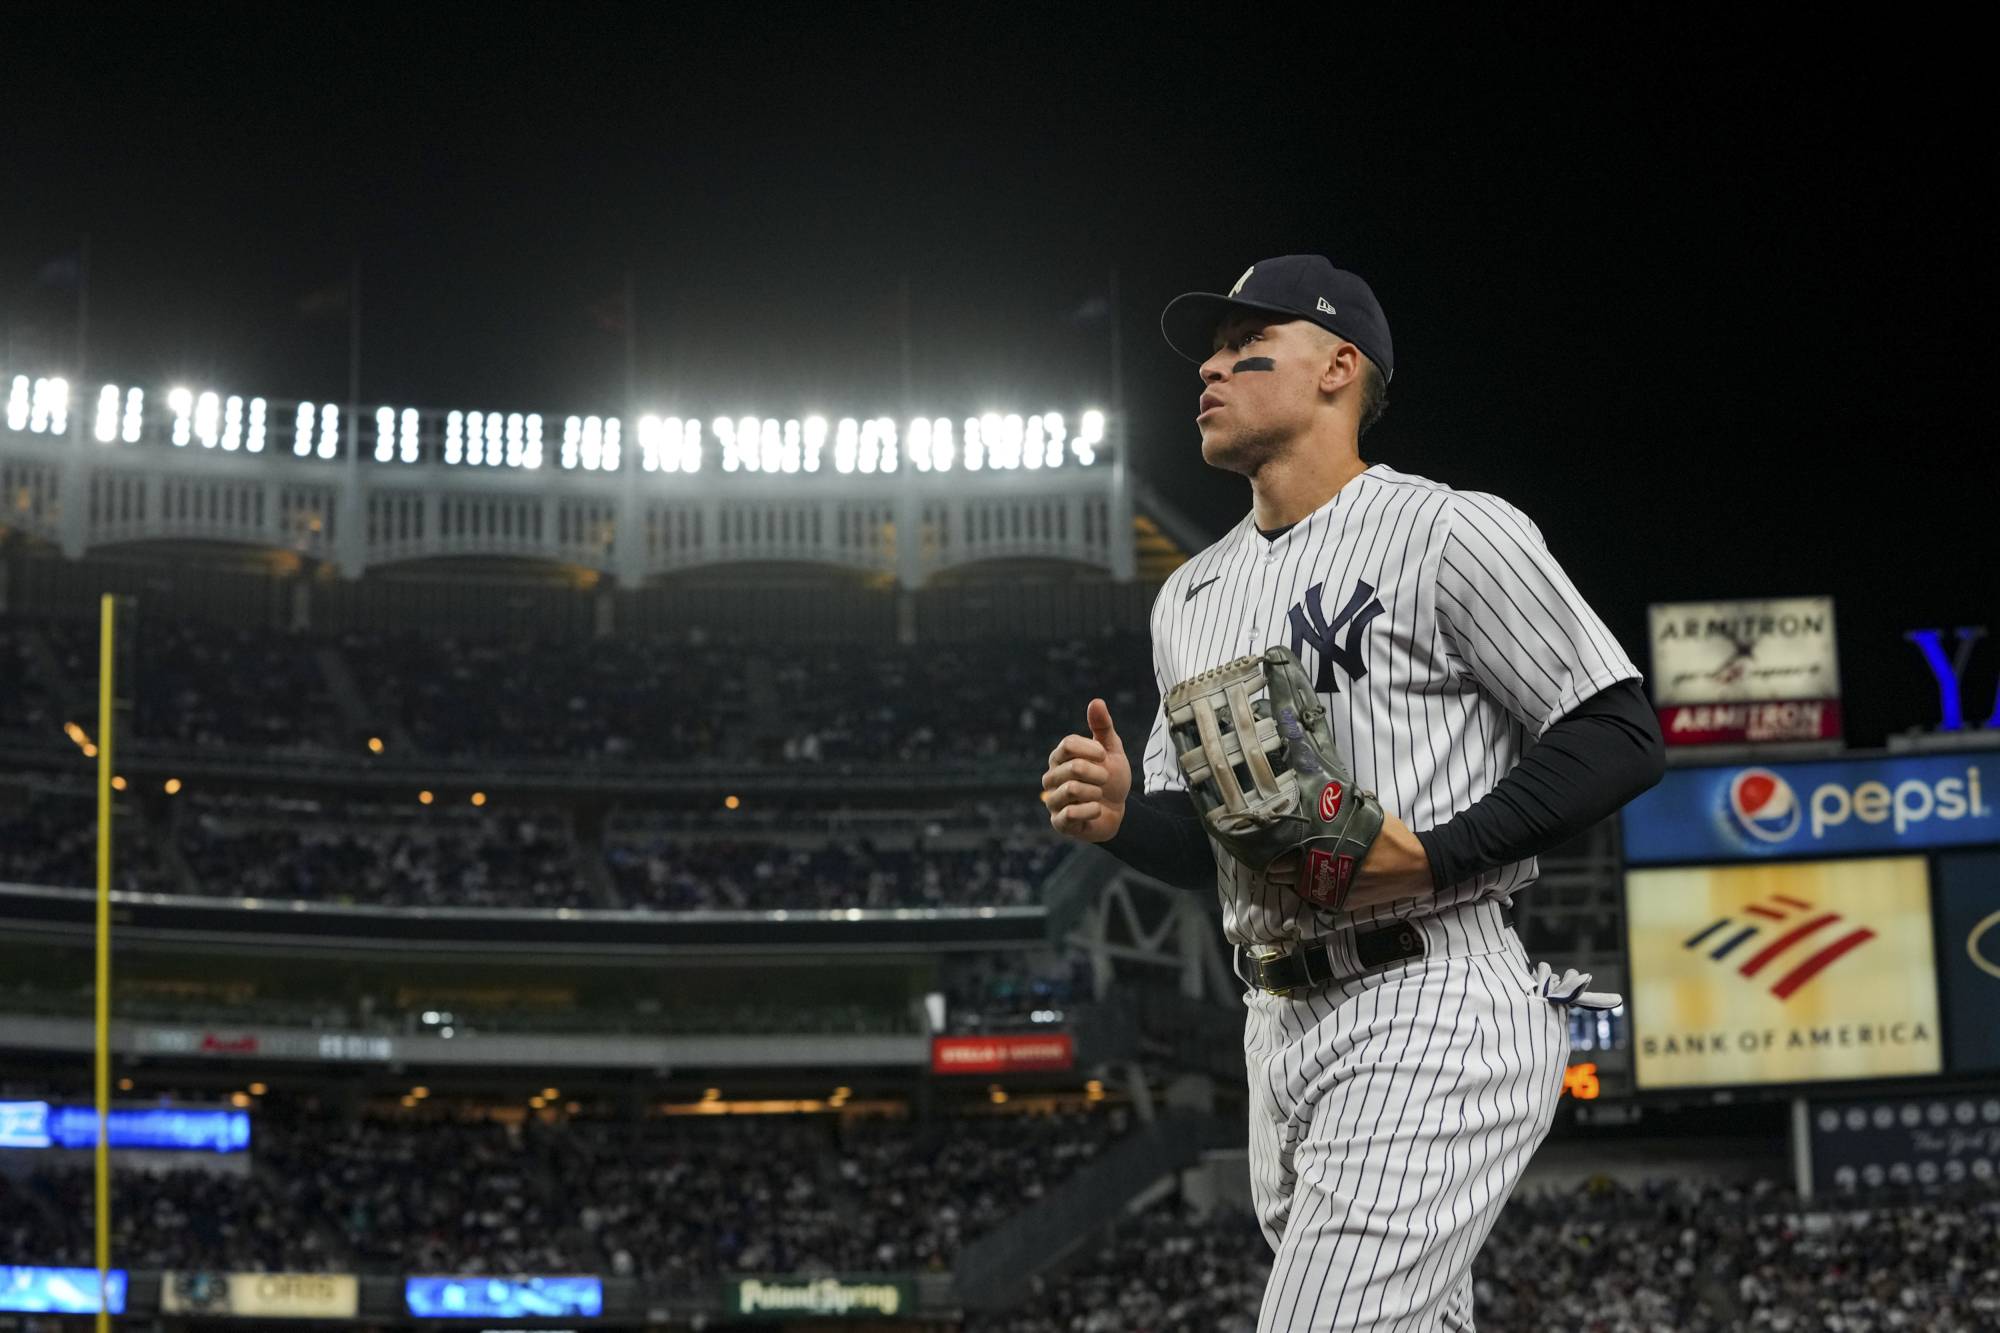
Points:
1439	705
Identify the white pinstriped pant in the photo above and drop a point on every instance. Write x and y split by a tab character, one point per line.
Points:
1390	1118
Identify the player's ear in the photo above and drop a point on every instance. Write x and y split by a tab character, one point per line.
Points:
1341	367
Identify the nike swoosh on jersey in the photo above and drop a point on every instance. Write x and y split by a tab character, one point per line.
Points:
1199	586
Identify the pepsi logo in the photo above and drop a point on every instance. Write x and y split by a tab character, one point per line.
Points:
1329	800
1762	805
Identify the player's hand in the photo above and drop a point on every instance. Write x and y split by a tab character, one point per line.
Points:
1396	868
1088	780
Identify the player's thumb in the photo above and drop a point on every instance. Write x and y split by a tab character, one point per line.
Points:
1101	730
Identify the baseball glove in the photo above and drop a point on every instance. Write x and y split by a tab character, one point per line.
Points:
1272	787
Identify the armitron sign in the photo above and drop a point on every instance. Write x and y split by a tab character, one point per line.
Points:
1746	671
1024	1053
1782	973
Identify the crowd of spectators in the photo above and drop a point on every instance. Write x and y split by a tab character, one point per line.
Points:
519	860
660	699
686	874
959	701
681	1200
985	991
678	1200
1703	1257
1673	1257
435	1197
26	703
652	699
241	1221
207	685
299	850
922	1196
372	1013
646	698
1168	1270
49	837
318	850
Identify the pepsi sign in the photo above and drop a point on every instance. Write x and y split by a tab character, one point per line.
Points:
1746	812
1763	806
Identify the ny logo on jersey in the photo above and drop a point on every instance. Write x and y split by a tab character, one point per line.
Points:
1310	626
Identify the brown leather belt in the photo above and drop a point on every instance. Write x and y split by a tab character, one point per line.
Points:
1312	965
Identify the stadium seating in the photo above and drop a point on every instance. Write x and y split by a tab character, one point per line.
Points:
682	1200
1671	1258
409	856
677	1200
650	699
374	1012
205	685
1002	990
49	836
698	874
28	706
1166	1271
327	850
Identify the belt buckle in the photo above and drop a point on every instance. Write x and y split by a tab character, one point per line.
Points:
1270	956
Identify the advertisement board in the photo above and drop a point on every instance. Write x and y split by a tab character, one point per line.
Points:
1739	812
1968	885
45	1125
160	1128
1745	671
261	1295
818	1297
1793	973
267	1043
503	1297
31	1290
1935	1139
1012	1054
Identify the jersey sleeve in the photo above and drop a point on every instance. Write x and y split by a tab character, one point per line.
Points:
1158	770
1511	620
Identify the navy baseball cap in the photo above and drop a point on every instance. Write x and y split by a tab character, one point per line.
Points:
1304	287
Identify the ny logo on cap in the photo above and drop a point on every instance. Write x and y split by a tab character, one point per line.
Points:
1240	281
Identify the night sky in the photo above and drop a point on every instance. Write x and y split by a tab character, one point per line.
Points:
1709	305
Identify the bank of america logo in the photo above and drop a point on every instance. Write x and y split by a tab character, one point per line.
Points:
1787	934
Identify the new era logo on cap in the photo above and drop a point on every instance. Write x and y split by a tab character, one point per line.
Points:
1306	287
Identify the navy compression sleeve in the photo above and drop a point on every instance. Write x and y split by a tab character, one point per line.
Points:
1589	762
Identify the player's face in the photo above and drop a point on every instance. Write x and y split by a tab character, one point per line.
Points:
1259	391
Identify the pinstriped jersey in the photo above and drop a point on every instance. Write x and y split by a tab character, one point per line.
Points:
1441	635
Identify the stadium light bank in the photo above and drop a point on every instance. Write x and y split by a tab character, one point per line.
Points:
208	419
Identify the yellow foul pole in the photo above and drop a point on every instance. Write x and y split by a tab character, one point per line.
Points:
105	697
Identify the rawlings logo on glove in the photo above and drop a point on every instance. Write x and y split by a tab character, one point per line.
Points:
1273	788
